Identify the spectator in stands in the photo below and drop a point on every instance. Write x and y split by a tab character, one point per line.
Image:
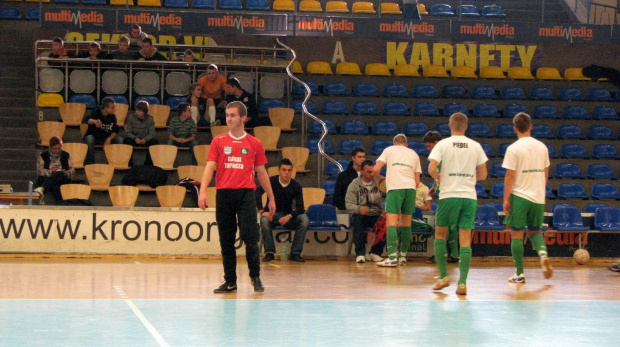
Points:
182	129
93	53
102	128
140	130
198	105
358	155
59	50
55	168
149	52
136	35
364	200
188	56
123	52
234	92
285	191
213	88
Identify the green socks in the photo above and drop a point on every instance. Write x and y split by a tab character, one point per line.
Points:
441	257
405	238
539	245
464	263
392	241
453	241
516	248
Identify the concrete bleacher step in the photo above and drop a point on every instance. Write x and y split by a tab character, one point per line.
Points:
17	92
16	71
17	82
16	117
15	101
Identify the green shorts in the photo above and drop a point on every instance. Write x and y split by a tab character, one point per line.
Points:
400	201
456	211
524	213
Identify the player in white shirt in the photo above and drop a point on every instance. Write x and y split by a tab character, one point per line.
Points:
463	162
527	168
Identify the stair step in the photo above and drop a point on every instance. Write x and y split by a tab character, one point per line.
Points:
26	101
16	71
21	165
17	92
18	175
17	82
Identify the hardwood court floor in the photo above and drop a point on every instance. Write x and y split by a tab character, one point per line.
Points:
124	301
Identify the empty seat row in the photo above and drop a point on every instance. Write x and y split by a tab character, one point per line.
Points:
566	171
570	190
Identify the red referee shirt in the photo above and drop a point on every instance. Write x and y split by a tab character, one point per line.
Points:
236	160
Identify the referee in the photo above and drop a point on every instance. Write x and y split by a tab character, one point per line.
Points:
236	156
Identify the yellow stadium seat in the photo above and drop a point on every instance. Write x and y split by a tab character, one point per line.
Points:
152	3
422	10
377	69
283	5
298	156
120	112
194	172
35	0
269	136
491	72
99	176
548	73
575	74
123	196
313	196
363	7
520	73
170	196
75	191
463	72
406	70
348	68
336	6
49	100
434	71
47	129
163	156
160	115
282	118
390	8
217	130
77	151
118	155
200	153
121	2
310	6
72	113
297	67
319	68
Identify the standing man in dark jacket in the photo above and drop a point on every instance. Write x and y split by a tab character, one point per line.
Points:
358	155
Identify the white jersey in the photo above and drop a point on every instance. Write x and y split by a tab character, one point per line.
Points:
459	157
401	163
528	157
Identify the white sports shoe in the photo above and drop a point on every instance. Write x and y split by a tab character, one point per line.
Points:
402	259
39	191
360	259
388	263
374	257
517	279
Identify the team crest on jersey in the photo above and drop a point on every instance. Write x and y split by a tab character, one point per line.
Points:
227	150
244	151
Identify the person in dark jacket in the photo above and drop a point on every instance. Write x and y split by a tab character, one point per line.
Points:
102	128
55	168
358	155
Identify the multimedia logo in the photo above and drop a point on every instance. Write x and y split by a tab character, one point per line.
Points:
568	33
491	31
408	28
77	17
156	21
237	22
329	26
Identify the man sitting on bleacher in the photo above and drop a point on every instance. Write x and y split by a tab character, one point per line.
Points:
102	128
149	52
140	130
123	52
234	92
358	155
182	129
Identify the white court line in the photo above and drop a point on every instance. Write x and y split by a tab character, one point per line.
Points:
142	318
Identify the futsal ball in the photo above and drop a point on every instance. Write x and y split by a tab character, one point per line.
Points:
581	256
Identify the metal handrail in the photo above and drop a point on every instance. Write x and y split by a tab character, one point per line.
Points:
307	113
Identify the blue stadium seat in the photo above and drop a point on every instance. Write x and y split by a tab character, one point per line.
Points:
332	170
378	146
546	112
567	131
541	93
568	170
230	5
604	151
493	11
346	146
549	192
497	170
555	206
570	94
313	146
487	150
299	89
336	89
605	191
568	218
483	92
257	5
87	99
152	100
365	108
572	191
316	128
575	112
119	99
607	219
501	149
203	4
573	150
395	108
167	3
296	105
425	91
12	13
394	90
453	107
600	171
353	127
480	191
605	113
599	94
335	107
511	110
365	89
453	92
266	104
34	14
600	132
384	127
330	185
478	130
419	147
591	208
467	11
443	129
485	110
497	190
505	131
542	131
174	101
415	129
441	10
425	109
512	93
322	217
487	218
